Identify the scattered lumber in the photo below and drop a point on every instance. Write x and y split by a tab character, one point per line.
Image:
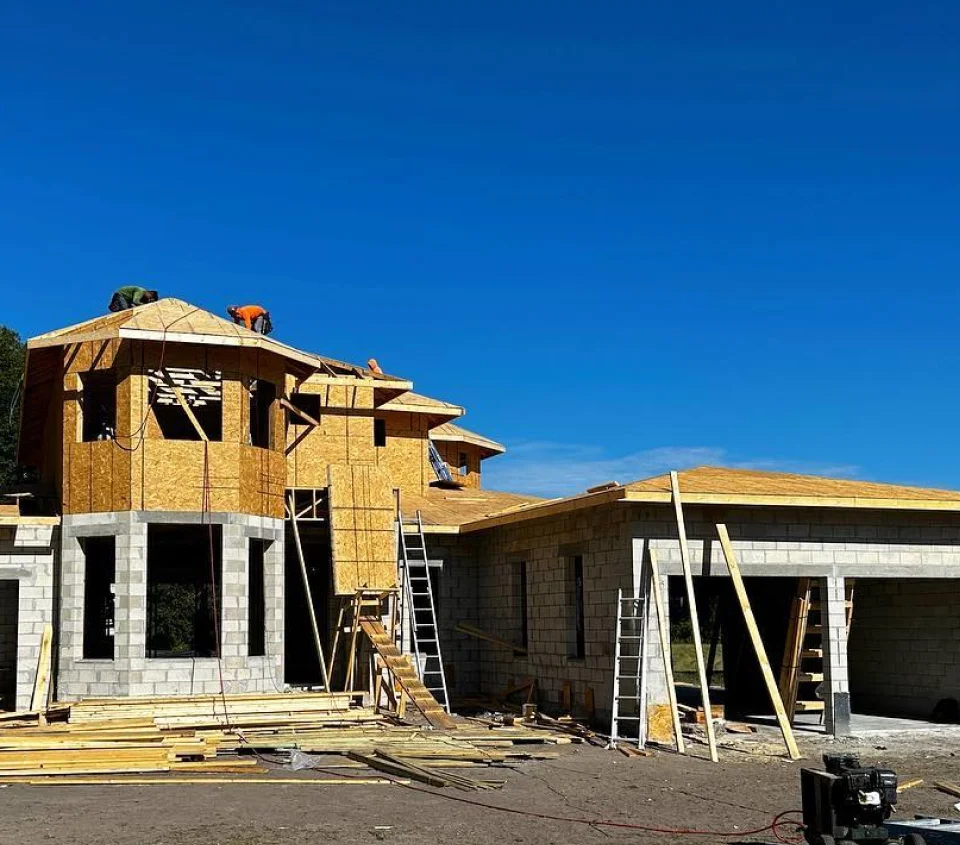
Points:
908	784
109	738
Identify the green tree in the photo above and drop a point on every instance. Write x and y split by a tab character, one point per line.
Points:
12	353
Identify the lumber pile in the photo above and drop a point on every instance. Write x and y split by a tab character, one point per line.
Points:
225	734
149	735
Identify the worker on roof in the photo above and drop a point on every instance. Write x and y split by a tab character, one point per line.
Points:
130	296
254	317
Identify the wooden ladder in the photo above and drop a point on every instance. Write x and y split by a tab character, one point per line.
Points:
802	668
402	670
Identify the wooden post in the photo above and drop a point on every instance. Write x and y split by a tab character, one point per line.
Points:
178	394
694	618
336	637
41	684
665	649
309	593
758	647
352	657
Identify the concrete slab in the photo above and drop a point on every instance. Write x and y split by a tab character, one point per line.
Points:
861	724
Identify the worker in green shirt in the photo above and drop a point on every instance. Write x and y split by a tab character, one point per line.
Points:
131	296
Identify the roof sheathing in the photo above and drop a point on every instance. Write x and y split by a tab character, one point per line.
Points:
171	320
450	433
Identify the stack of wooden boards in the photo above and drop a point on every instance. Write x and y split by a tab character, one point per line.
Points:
225	734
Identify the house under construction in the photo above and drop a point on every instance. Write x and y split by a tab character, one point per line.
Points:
212	509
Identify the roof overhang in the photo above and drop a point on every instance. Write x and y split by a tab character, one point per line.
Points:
828	502
621	495
311	363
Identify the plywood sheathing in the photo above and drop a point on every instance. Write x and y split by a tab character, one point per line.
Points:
451	452
344	436
143	471
405	458
720	481
362	529
448	432
448	509
174	322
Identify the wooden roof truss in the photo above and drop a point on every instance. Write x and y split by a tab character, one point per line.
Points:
197	387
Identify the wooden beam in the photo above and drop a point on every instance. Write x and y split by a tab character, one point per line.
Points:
758	646
665	649
694	617
41	684
308	592
480	634
291	407
186	408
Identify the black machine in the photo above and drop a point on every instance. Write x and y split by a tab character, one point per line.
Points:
848	803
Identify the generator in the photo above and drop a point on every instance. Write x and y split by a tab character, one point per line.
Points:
847	803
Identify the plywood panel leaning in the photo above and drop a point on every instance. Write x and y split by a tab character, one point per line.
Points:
362	531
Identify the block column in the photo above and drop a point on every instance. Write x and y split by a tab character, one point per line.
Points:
836	684
130	605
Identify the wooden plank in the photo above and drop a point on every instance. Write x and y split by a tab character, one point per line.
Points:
480	634
314	628
291	407
758	646
41	684
694	617
665	649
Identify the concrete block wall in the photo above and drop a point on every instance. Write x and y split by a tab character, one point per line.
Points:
603	538
458	603
788	542
131	672
904	648
28	556
795	542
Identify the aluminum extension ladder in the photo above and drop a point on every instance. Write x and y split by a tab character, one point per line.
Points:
420	609
629	710
439	464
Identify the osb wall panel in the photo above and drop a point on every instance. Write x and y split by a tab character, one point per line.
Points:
344	436
362	532
53	454
405	458
143	471
450	452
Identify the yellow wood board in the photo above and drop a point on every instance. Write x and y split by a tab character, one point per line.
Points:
362	530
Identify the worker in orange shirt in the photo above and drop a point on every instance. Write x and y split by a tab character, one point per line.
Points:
254	317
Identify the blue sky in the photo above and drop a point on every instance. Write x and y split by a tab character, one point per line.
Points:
627	236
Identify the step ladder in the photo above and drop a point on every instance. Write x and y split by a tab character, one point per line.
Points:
418	607
629	709
802	670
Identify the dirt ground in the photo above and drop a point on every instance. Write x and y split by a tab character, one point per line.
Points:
743	792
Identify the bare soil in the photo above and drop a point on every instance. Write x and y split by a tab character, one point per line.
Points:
742	792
